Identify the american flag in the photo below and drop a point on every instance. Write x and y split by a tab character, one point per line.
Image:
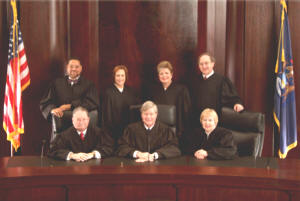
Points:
17	80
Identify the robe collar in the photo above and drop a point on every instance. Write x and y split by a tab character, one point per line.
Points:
148	128
120	89
73	81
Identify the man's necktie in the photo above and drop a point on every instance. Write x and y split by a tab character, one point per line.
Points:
81	136
71	82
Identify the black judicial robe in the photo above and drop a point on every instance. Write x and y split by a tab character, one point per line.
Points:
115	109
215	92
60	92
69	141
219	145
160	139
178	95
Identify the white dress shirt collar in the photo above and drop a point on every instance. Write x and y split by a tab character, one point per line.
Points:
210	74
73	81
75	78
84	132
120	89
149	128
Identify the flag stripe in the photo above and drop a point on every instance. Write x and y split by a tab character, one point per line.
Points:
24	73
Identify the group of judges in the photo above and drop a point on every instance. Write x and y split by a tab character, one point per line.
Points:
197	111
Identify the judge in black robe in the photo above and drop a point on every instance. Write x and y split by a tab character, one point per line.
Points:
212	90
67	94
95	139
170	93
69	141
178	95
219	144
83	93
215	92
116	103
210	141
141	137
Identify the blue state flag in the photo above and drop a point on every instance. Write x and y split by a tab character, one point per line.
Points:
284	98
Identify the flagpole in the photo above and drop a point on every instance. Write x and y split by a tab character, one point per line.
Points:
273	140
11	150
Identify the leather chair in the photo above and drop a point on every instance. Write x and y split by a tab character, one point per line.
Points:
248	130
166	114
61	124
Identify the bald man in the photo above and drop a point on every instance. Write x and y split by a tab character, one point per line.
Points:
67	93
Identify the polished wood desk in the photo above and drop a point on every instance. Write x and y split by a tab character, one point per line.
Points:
119	179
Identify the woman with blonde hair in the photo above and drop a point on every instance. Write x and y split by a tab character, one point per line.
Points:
210	141
169	93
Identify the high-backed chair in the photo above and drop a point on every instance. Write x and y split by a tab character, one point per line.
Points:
59	125
248	130
166	114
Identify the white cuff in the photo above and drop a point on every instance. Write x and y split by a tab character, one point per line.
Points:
68	156
97	154
155	155
135	153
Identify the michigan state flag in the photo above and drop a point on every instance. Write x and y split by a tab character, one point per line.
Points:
284	98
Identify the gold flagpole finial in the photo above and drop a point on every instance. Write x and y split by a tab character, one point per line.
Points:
283	3
14	8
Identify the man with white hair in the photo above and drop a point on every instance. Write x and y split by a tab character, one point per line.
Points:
148	139
82	141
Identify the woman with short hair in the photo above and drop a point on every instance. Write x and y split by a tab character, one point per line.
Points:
169	93
211	141
116	101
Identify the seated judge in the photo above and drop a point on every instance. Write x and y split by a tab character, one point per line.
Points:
82	141
210	141
170	93
116	101
213	90
67	93
149	139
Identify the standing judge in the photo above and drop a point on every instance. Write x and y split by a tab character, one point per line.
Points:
69	92
82	141
212	90
149	139
116	102
211	141
170	93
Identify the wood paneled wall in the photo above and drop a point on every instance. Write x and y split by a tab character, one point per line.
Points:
242	35
140	34
260	58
